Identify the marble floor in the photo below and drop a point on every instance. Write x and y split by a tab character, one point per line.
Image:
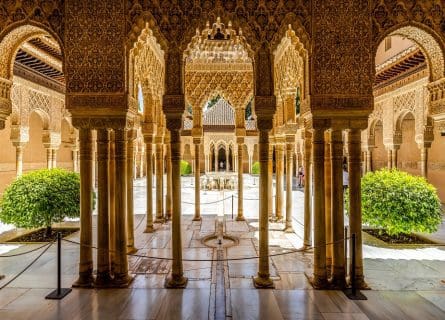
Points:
406	283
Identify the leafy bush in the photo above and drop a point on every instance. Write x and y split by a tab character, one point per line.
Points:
399	202
41	198
186	168
256	168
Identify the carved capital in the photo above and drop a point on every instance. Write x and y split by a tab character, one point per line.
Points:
173	105
437	99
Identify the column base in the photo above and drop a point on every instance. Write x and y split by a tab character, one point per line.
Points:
175	282
131	249
169	216
159	220
263	282
288	229
103	280
319	282
197	218
149	229
85	280
360	283
338	282
240	218
121	280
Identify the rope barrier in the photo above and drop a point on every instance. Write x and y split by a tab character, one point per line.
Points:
29	265
23	253
204	203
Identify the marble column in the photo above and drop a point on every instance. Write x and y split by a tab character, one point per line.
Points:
112	200
279	181
18	160
168	196
149	228
159	183
141	163
131	136
240	215
197	143
328	199
270	181
290	140
75	162
307	189
216	160
389	158
394	158
227	158
263	279
338	254
424	162
53	158
103	277
319	280
176	279
355	202
85	279
49	158
121	276
369	160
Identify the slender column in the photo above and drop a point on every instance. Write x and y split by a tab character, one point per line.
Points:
149	164
121	276
279	181
424	162
168	198
141	164
289	164
227	158
328	199
263	279
269	181
338	249
53	158
48	158
112	200
355	202
394	158
85	279
389	158
307	189
320	280
159	183
103	277
19	160
176	279
240	216
369	160
75	163
131	136
197	216
216	160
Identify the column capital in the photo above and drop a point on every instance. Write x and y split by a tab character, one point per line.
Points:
240	139
148	128
131	134
265	107
173	107
197	140
197	132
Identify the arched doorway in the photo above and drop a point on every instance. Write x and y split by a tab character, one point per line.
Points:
222	160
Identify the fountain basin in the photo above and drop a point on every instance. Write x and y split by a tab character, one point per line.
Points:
215	241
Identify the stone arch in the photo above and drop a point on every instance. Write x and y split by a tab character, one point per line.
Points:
11	39
292	22
429	42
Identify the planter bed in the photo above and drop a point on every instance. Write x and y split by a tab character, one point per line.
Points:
39	235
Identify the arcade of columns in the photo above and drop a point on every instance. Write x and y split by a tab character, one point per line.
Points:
102	76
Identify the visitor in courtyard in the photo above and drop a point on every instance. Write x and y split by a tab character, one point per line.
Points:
300	177
345	179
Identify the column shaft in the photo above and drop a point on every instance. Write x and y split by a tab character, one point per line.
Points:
103	277
112	200
394	158
53	158
176	279
19	160
168	198
240	216
131	135
270	181
424	162
279	181
263	279
86	222
389	158
149	164
48	158
289	175
197	216
159	183
307	189
319	280
328	199
338	253
369	160
355	201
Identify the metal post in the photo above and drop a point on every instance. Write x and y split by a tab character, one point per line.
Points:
346	249
60	292
232	207
353	293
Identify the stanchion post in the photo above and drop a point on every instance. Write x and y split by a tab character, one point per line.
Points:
232	207
346	249
353	293
60	292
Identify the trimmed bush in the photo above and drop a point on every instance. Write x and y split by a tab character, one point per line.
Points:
256	168
41	198
186	168
399	202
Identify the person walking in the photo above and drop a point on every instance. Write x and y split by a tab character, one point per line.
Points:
300	177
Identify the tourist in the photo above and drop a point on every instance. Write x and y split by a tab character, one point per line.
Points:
345	178
300	177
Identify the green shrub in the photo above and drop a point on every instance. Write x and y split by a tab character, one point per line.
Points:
399	202
256	168
41	198
186	168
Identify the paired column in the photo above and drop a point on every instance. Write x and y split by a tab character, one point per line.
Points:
328	198
319	280
85	279
54	158
103	277
121	276
148	139
355	213
368	160
159	182
168	196
307	189
197	143
394	158
290	141
263	279
279	147
112	197
49	158
176	279
240	216
424	162
269	180
19	159
131	136
338	250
